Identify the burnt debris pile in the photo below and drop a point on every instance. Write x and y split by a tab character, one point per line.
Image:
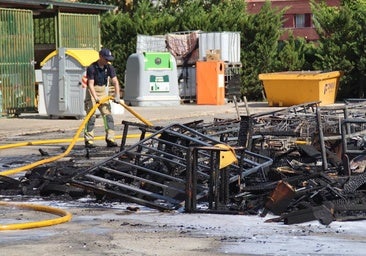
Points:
300	163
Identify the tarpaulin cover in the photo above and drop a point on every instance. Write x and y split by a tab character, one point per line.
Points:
184	47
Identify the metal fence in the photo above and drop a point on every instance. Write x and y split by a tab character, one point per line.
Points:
25	42
16	61
79	31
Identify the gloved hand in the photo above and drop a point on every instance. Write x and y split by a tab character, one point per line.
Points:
97	100
117	99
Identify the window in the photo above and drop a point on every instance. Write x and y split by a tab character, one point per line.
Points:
300	20
303	20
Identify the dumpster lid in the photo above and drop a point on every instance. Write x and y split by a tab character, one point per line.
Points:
303	75
84	56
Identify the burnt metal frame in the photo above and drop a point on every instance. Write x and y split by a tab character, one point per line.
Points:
145	164
324	121
219	192
149	171
346	134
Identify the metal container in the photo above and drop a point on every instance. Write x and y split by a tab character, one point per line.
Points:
297	87
146	43
227	42
151	80
62	72
187	83
210	82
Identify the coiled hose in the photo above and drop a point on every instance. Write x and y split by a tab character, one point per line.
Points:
64	216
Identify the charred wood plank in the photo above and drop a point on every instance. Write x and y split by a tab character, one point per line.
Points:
321	213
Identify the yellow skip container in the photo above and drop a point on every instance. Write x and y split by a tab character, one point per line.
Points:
298	87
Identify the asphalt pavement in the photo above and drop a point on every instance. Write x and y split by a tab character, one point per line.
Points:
35	123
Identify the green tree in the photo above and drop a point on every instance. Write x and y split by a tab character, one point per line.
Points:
120	30
291	54
342	32
227	16
259	48
190	15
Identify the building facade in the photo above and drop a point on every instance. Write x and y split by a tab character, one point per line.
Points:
298	17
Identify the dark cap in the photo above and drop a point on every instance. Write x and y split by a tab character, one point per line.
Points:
106	54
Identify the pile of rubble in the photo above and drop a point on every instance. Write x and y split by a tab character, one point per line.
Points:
301	163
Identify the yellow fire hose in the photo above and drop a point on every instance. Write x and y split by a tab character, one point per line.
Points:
56	141
73	141
135	114
64	216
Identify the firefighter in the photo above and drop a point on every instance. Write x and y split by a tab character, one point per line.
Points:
99	73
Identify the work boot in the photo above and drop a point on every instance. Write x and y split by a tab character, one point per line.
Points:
111	143
89	144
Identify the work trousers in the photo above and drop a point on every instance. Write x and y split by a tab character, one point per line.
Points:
105	111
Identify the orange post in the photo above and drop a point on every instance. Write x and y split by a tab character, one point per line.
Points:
210	87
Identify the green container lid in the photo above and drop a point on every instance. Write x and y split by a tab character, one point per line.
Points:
157	60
